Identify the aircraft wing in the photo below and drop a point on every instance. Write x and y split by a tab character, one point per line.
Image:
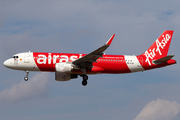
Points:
87	60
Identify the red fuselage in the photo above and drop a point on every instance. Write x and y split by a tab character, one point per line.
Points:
106	64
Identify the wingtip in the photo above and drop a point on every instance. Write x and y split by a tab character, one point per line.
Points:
110	40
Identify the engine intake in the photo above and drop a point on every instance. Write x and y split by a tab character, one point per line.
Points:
63	67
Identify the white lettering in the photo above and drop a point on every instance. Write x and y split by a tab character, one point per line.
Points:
147	57
150	54
63	58
73	58
49	58
41	59
55	58
158	44
168	37
80	55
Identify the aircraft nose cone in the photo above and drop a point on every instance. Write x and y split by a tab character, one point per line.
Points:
7	63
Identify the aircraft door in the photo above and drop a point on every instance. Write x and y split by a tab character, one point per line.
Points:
26	58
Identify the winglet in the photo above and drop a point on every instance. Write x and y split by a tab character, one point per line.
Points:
110	40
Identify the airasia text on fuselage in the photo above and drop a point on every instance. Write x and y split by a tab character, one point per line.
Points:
56	58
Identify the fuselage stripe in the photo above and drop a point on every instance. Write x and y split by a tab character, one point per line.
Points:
133	63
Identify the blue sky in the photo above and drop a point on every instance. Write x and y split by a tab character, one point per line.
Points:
80	27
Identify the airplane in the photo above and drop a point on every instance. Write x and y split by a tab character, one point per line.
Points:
71	65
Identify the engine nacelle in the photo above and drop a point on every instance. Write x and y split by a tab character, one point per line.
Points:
63	67
64	76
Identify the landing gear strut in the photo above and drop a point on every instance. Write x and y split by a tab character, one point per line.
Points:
27	73
85	78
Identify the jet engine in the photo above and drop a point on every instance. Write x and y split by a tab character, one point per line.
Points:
63	71
63	67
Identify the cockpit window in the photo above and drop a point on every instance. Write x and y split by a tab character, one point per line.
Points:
15	56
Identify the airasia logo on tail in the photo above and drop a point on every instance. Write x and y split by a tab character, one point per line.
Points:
152	52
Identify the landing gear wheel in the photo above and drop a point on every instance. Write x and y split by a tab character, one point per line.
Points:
84	82
85	77
26	78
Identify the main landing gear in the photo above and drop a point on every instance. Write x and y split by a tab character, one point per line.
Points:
27	73
85	78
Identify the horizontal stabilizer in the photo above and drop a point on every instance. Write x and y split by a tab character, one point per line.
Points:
162	60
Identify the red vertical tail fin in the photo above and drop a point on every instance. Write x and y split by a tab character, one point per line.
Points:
159	48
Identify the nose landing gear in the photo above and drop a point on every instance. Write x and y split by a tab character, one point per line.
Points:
85	78
27	73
